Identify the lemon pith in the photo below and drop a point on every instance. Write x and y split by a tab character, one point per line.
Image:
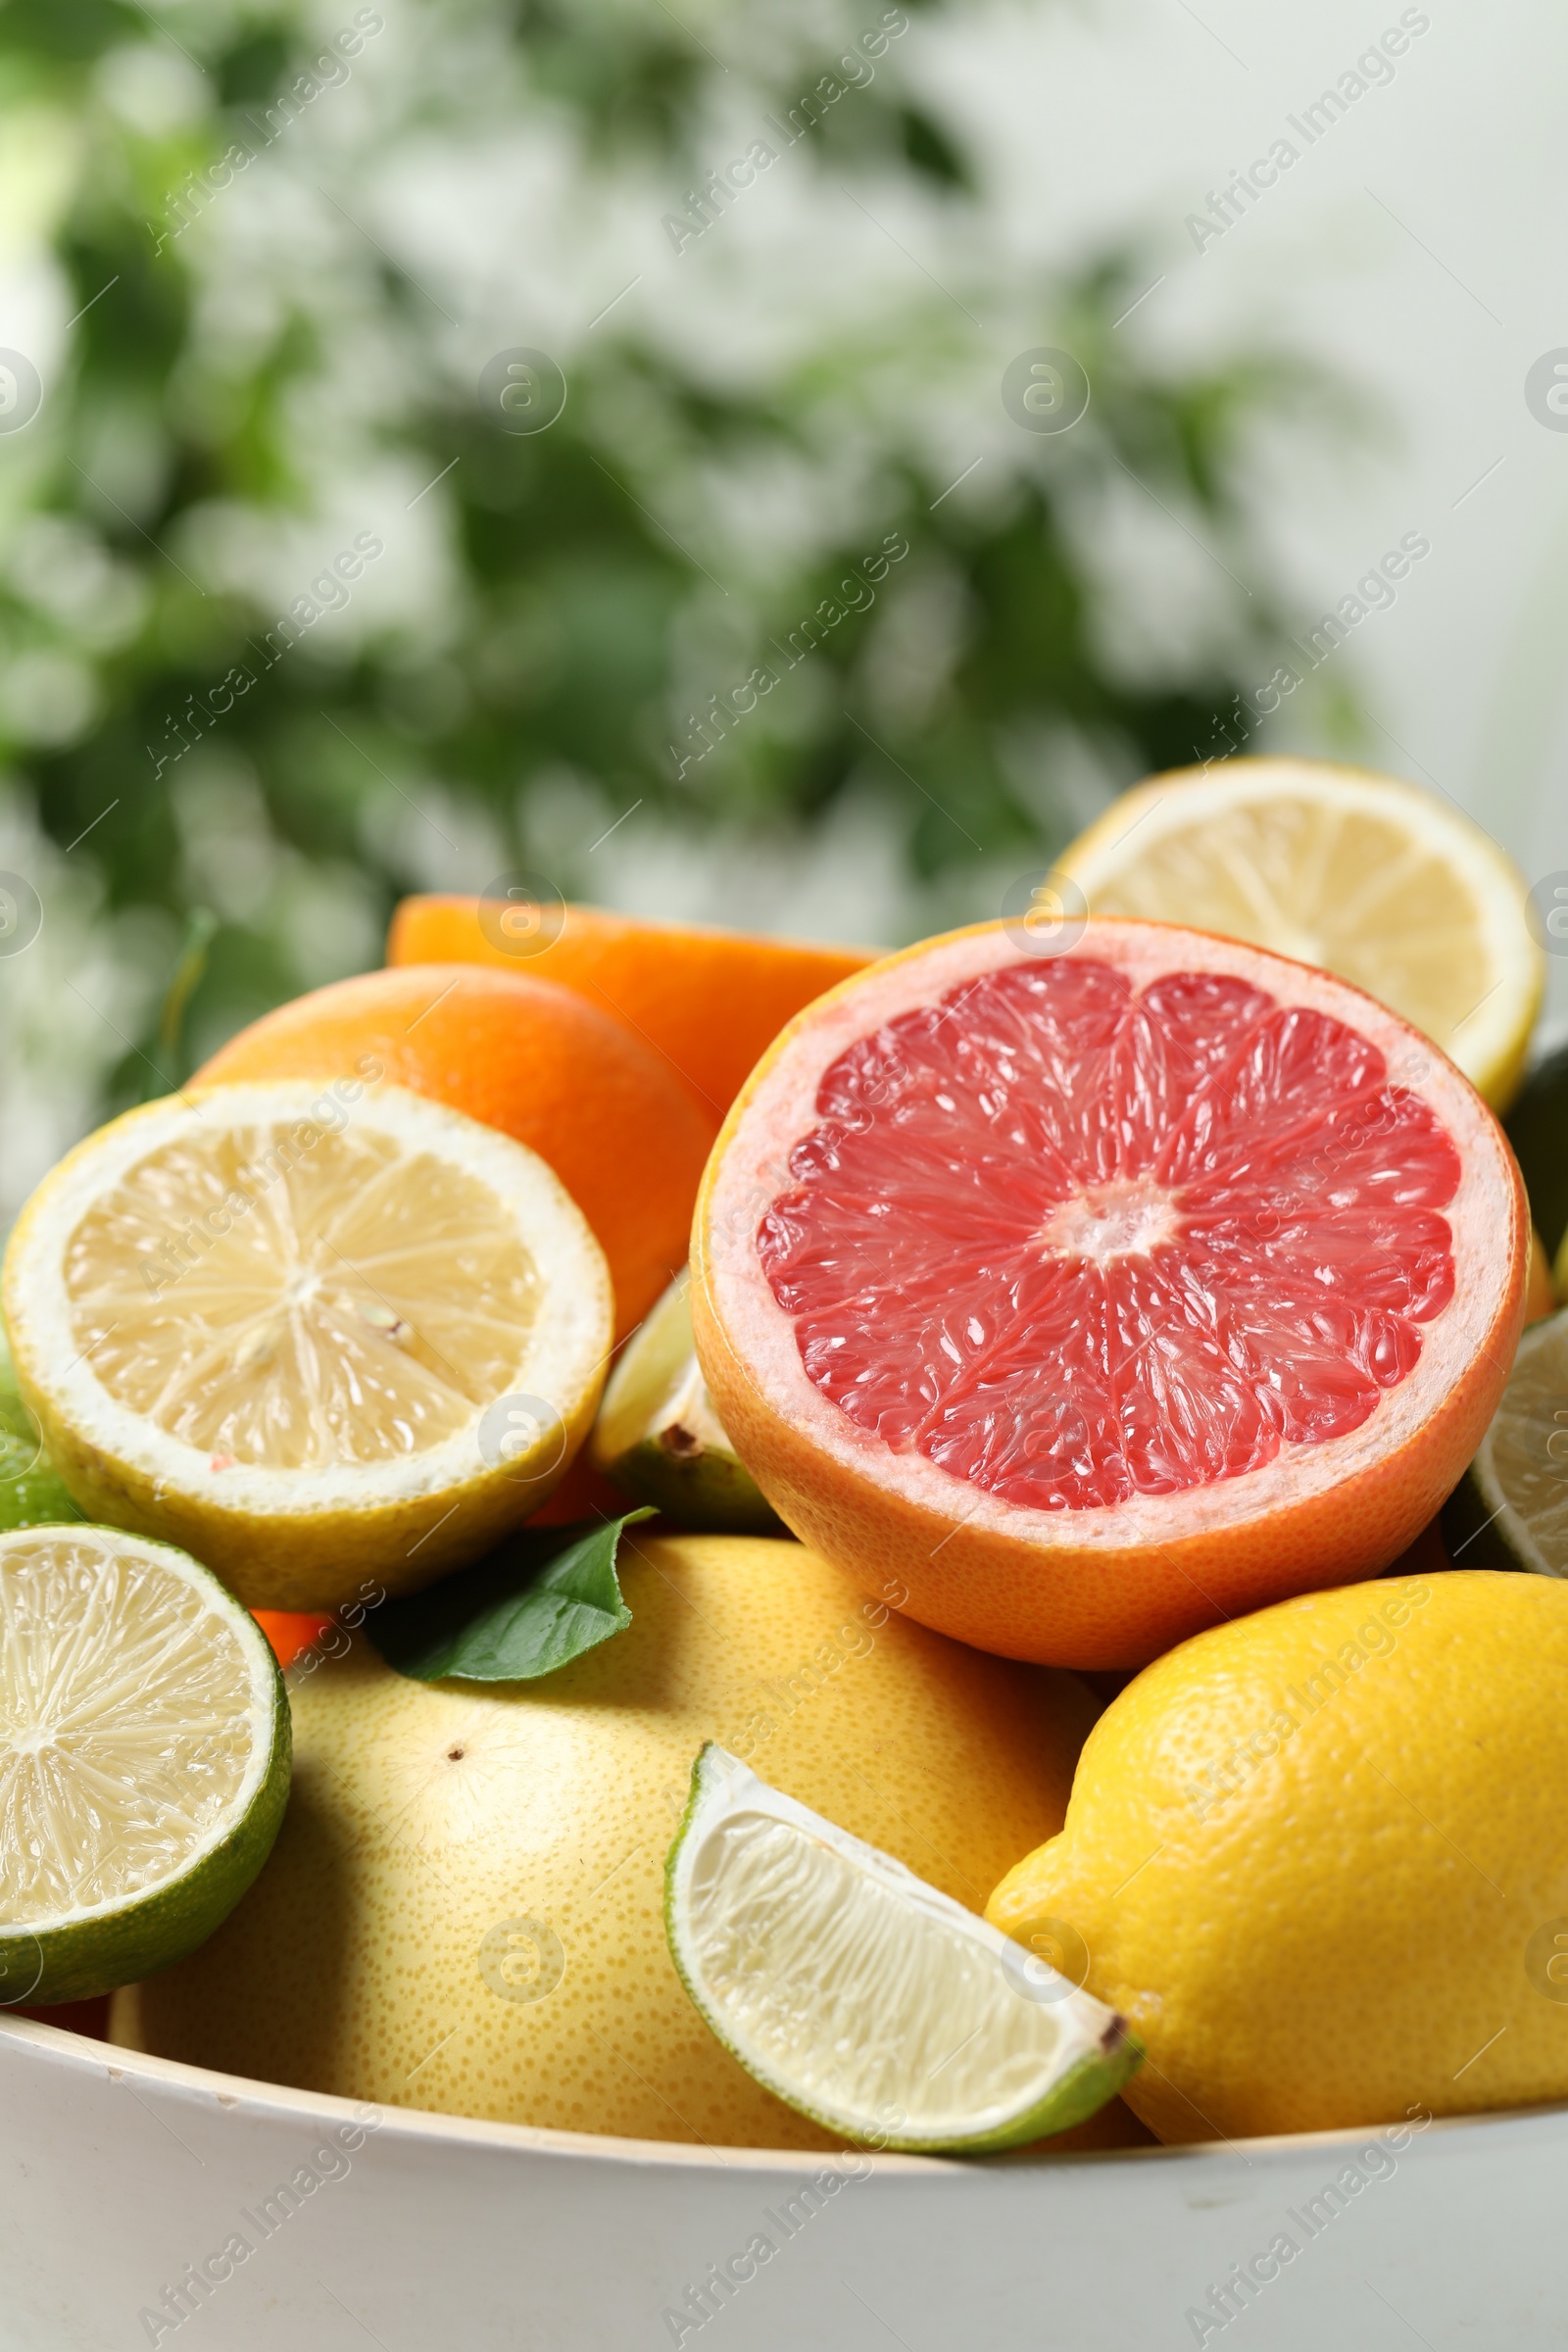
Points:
308	1337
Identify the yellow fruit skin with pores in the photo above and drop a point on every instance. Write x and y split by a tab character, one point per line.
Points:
1319	1858
448	1840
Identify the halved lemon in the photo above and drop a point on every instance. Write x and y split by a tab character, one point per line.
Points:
1374	879
144	1759
309	1333
864	1997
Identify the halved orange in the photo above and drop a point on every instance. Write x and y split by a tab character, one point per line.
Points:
709	1001
1096	1297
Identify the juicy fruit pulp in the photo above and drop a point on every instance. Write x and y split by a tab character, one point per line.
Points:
862	1996
141	1722
1212	1216
566	1078
337	1322
311	1333
1101	1295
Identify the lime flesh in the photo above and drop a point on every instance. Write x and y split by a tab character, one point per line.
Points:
864	1997
1510	1509
144	1758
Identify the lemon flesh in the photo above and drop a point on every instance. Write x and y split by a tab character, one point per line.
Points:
1510	1509
144	1759
659	1437
308	1337
864	1997
1370	878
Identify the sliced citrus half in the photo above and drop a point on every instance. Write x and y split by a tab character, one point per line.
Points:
310	1333
864	1997
1371	877
660	1438
1510	1508
1096	1296
144	1759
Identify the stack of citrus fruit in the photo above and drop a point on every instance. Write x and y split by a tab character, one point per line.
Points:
1120	1285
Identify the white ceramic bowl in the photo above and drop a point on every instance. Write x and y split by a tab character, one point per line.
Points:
124	2176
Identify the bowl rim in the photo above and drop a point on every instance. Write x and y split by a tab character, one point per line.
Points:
419	2124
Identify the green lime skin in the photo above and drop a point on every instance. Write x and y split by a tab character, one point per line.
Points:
1079	2094
146	1932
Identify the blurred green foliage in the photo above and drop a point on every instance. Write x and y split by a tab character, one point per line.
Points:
306	349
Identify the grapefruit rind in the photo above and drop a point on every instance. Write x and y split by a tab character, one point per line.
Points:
1113	1587
96	1947
1074	2051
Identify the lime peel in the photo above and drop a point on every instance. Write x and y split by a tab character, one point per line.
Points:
144	1759
864	1997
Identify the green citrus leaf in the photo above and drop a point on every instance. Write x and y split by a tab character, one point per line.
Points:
537	1601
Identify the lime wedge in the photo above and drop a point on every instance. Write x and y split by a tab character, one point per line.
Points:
660	1438
144	1758
865	1999
1510	1508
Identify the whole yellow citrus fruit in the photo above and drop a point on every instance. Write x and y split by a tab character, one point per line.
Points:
464	1909
1319	1859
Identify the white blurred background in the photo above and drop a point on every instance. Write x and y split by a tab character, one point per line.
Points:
225	409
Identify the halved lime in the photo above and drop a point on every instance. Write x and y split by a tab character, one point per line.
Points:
660	1438
862	1996
144	1758
1510	1508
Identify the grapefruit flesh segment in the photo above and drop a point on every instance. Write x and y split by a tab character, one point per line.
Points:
1130	1188
1101	1295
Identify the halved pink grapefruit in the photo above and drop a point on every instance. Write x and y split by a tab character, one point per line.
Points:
1096	1297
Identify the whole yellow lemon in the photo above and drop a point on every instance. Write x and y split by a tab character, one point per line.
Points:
1319	1858
463	1910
